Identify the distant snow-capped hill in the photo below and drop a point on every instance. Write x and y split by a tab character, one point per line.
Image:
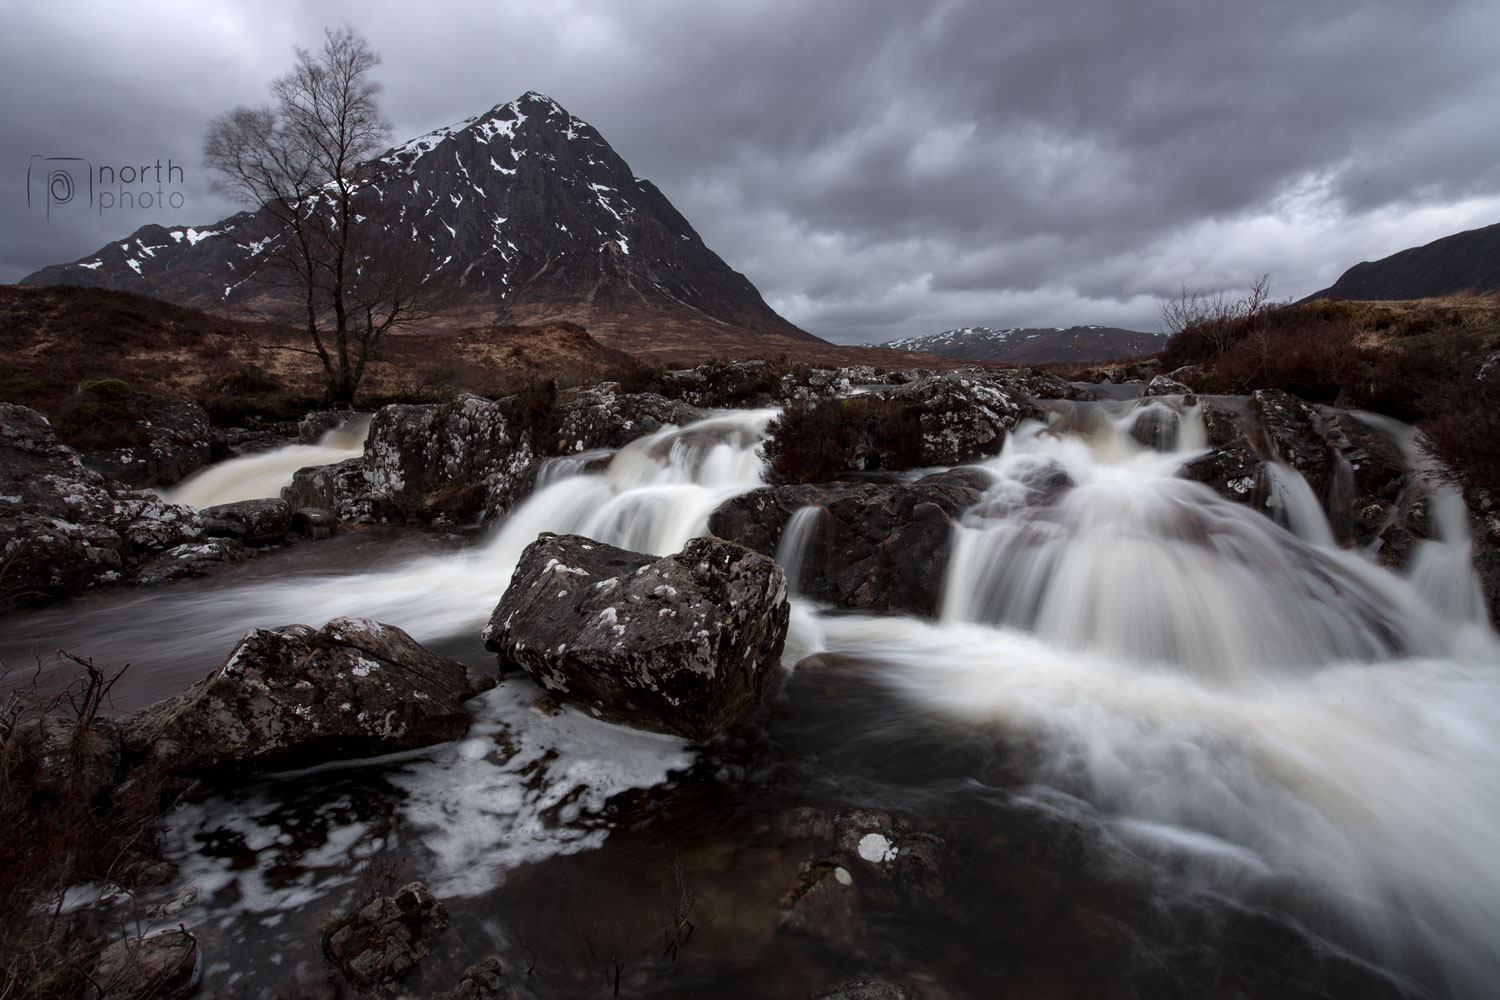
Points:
1035	345
524	212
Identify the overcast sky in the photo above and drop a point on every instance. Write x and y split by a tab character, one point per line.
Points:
879	168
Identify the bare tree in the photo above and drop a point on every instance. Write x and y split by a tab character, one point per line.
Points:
1221	318
298	159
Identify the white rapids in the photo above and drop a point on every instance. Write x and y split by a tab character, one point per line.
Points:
1255	711
1244	703
262	475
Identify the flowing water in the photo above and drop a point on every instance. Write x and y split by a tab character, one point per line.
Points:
262	475
1151	726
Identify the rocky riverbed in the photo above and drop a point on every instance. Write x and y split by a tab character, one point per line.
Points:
1072	702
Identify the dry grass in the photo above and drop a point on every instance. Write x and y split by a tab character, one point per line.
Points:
1423	361
63	822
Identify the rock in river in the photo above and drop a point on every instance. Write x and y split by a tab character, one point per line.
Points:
679	644
297	696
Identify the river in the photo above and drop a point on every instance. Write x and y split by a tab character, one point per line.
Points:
1151	727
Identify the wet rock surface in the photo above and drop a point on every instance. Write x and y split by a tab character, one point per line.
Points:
380	944
1356	470
343	490
1161	385
1157	427
190	560
603	417
316	423
158	966
874	547
680	644
436	462
179	442
252	522
297	696
965	416
63	527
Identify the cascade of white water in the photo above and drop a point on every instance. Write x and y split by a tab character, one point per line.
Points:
1441	567
262	475
1257	711
1134	561
655	494
796	537
1254	709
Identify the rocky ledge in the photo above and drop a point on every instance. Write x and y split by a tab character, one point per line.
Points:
64	527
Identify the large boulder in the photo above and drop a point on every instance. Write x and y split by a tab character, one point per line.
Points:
964	416
439	462
179	441
64	527
601	416
874	547
476	457
343	490
297	696
757	519
680	644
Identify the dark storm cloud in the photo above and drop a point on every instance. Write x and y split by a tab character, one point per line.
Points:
886	168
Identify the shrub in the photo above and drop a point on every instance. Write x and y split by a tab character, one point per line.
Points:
99	416
814	440
63	821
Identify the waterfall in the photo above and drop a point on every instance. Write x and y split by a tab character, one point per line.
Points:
1141	564
1258	712
792	551
1250	711
262	475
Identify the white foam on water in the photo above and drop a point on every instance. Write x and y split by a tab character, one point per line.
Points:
523	786
1257	708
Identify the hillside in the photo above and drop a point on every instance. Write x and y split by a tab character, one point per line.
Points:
1464	262
52	340
524	215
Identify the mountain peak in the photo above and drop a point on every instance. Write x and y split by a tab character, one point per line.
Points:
524	211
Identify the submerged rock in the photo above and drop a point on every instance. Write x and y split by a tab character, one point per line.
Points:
297	696
64	527
874	860
680	644
379	944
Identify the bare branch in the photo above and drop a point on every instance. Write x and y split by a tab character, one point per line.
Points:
299	162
